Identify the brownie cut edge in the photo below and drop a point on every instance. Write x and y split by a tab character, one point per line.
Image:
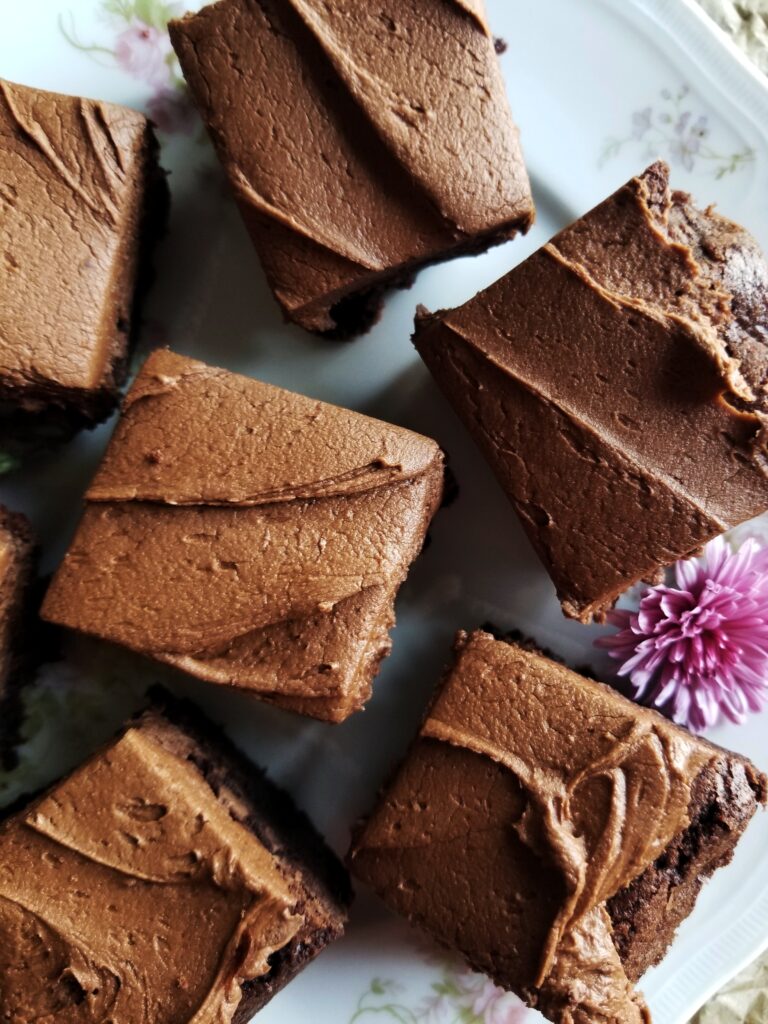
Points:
349	182
462	844
312	879
18	563
62	372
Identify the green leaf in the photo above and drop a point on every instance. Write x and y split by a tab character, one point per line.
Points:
122	9
466	1016
155	13
71	38
8	463
146	11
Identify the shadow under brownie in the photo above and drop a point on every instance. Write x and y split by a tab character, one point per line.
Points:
18	564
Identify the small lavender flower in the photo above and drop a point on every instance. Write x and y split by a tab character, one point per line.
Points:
641	122
682	123
142	51
700	650
700	127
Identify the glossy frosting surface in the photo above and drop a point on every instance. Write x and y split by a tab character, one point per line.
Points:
355	135
616	384
105	880
71	194
249	535
531	796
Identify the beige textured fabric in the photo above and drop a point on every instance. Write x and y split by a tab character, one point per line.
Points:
745	999
747	23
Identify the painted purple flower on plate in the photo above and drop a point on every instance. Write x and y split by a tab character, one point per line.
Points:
143	51
672	129
699	650
141	48
171	111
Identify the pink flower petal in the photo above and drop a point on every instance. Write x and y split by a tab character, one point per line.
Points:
700	650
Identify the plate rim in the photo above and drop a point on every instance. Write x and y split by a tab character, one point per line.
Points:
739	82
717	58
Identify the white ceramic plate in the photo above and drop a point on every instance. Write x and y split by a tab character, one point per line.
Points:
599	88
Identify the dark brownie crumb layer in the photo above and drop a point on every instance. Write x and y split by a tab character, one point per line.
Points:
18	602
647	913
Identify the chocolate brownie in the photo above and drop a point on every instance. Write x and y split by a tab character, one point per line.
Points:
82	200
166	833
17	575
616	382
250	536
553	832
362	141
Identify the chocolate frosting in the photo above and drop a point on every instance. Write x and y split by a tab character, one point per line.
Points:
72	177
103	881
355	136
530	798
248	535
616	382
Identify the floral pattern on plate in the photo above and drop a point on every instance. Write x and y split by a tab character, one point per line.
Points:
458	997
673	129
139	46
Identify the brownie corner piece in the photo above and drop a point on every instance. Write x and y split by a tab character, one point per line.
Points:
551	831
182	836
18	562
295	519
356	139
83	201
623	368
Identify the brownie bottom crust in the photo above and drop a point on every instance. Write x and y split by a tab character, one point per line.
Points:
647	913
359	310
19	601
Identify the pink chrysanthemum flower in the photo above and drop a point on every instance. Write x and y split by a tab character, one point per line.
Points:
700	650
